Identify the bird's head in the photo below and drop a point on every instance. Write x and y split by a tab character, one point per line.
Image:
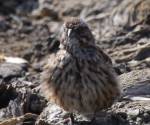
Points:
76	35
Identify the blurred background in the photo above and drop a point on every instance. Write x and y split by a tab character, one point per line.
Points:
29	32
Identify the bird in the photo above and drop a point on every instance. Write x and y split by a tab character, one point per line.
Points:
79	77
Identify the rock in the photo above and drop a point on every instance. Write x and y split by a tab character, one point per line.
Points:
18	99
136	84
43	43
6	95
45	11
143	53
41	47
146	117
13	6
133	77
140	89
14	108
121	68
138	120
26	7
15	60
37	67
52	114
133	113
135	96
4	25
129	12
10	70
36	103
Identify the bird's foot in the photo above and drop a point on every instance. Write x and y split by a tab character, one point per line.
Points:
93	120
69	120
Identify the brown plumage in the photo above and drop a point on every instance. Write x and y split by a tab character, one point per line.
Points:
80	77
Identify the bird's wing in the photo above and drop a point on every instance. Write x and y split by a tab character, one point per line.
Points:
51	71
104	56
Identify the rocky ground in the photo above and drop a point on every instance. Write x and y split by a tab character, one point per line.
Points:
29	32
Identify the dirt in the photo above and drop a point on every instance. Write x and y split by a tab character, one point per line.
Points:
30	30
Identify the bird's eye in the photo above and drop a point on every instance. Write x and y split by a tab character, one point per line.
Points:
81	29
65	30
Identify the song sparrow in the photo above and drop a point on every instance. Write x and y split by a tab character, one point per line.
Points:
79	77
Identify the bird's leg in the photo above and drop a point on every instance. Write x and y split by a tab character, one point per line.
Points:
72	117
93	118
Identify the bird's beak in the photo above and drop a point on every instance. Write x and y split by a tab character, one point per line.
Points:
69	31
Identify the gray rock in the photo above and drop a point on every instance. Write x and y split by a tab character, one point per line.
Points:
9	70
133	112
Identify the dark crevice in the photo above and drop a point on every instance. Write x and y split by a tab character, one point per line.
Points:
6	94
